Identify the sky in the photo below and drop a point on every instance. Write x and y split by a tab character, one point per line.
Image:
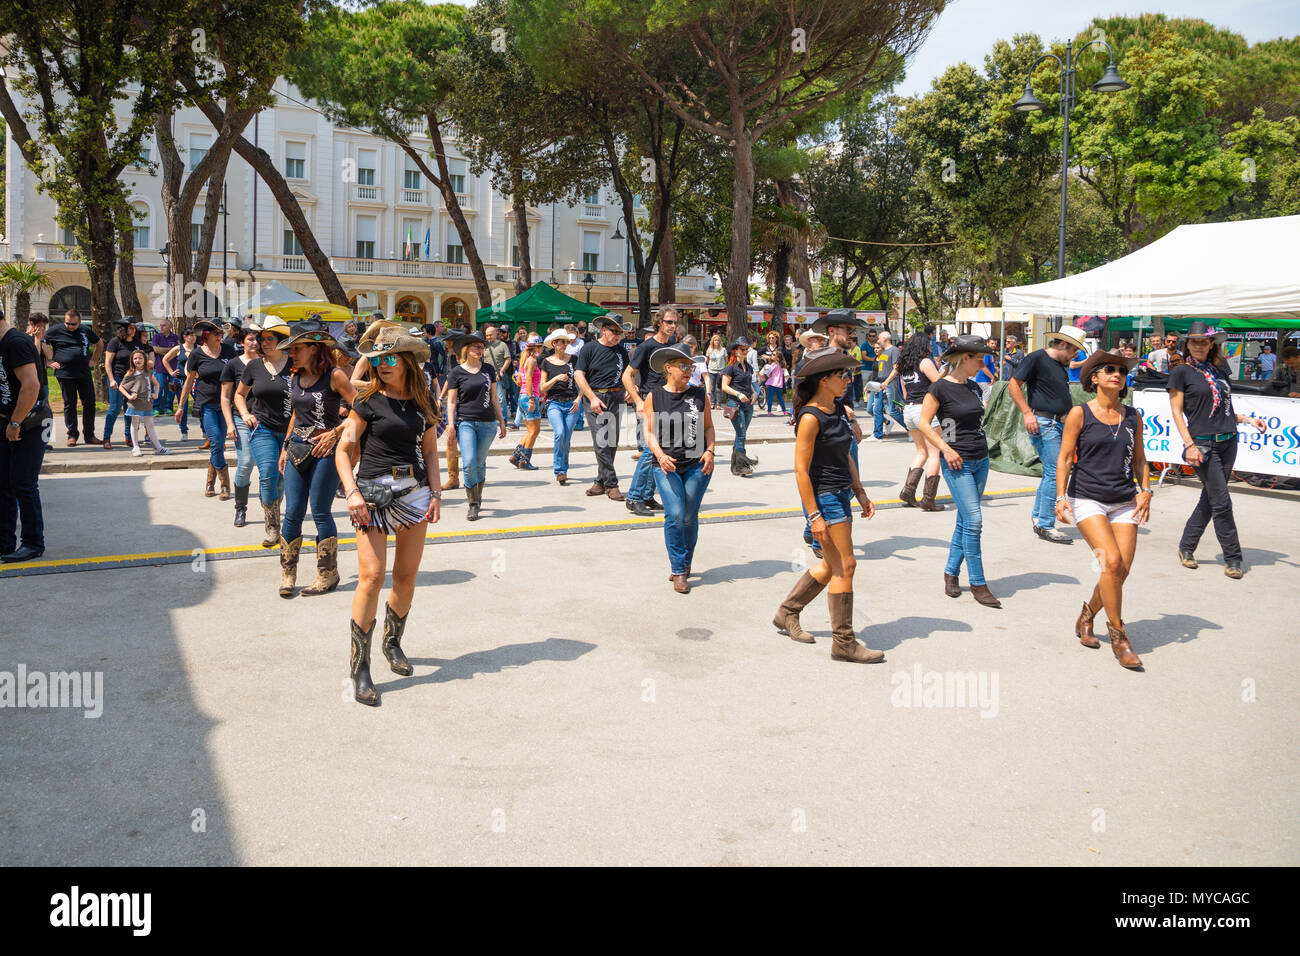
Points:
967	29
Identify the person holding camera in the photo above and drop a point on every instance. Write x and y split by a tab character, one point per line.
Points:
25	417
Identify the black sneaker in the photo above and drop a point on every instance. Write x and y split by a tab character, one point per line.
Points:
654	505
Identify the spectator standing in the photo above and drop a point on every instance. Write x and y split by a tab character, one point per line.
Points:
882	401
496	353
163	341
139	386
1012	359
117	356
1267	361
716	355
1288	373
173	364
76	348
24	421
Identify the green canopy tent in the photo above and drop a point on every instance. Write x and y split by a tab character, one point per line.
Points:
540	306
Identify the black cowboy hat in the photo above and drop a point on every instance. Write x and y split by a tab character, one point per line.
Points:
661	357
976	344
205	325
837	317
1202	330
610	320
312	332
741	342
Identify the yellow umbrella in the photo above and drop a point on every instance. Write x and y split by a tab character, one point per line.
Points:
293	311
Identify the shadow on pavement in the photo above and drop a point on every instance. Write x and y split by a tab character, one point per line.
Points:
443	578
1260	558
739	572
1007	586
490	512
492	661
1146	634
889	547
890	634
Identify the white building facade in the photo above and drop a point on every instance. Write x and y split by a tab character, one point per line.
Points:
384	227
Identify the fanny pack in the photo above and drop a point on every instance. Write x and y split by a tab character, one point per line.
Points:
378	493
41	413
298	449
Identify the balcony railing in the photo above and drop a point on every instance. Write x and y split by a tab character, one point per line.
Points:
53	252
593	212
368	193
283	263
415	197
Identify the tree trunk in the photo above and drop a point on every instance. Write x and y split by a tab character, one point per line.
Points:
742	217
780	274
667	261
525	279
211	220
443	182
100	260
22	309
126	273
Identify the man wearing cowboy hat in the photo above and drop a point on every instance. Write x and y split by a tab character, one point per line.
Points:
641	493
1040	387
599	374
838	325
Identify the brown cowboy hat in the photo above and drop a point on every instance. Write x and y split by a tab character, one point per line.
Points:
389	338
825	360
1097	359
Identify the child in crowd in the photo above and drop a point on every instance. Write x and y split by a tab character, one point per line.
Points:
141	390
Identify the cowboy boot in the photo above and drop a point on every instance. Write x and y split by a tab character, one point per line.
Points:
787	615
224	475
392	644
1123	650
951	585
908	494
982	594
453	473
209	490
289	565
327	567
474	495
241	506
271	516
1083	627
517	455
526	460
363	689
927	495
845	646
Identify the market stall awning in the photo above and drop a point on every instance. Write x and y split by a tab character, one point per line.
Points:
539	303
269	293
1211	270
307	309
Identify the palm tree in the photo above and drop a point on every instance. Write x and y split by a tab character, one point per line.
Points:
21	279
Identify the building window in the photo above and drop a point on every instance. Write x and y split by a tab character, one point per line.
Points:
456	174
292	247
411	178
365	237
140	234
591	252
146	155
411	237
68	237
196	228
592	198
366	160
455	252
295	160
200	143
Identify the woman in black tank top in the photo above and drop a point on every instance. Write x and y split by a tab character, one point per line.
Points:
828	482
1102	498
916	370
561	399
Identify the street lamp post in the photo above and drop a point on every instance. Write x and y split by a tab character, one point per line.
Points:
589	280
627	254
1110	82
225	246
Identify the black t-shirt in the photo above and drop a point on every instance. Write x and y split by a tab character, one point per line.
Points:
677	423
473	393
829	468
207	371
233	373
565	391
961	418
268	394
394	431
641	362
1104	471
603	365
1206	415
317	405
437	363
916	384
1046	382
16	350
72	349
742	378
122	350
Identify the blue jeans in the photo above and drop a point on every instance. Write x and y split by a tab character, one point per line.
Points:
315	481
163	403
474	439
243	455
880	404
682	492
185	416
116	405
503	397
1048	445
776	394
20	495
966	486
744	412
563	417
266	445
643	481
214	429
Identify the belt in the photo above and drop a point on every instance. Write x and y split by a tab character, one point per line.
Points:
1055	418
1225	436
612	388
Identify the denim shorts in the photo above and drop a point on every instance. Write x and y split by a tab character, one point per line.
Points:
532	416
836	506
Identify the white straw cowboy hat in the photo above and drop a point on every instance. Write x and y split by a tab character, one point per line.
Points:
1068	333
807	335
559	334
389	338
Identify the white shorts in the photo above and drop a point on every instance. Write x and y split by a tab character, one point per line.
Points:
1123	512
912	418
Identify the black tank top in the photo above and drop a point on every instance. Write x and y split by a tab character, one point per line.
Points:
829	468
564	391
915	386
316	406
1104	470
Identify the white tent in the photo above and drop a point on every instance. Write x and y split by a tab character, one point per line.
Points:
269	293
1221	269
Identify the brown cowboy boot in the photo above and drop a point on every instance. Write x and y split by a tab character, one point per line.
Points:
845	646
927	495
327	567
1083	627
787	615
908	494
289	565
224	475
1123	650
209	489
453	473
271	514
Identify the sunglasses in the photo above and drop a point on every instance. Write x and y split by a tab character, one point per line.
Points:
378	360
1113	370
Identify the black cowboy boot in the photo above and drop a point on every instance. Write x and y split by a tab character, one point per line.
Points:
363	690
241	505
392	643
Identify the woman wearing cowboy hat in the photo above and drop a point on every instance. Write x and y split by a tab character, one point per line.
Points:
1200	398
916	371
230	376
392	434
264	402
473	403
1097	491
203	371
738	385
561	393
530	401
955	401
679	433
451	343
307	461
828	482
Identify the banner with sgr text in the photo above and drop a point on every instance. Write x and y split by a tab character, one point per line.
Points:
1274	451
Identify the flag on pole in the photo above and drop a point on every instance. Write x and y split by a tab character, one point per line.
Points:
408	252
426	244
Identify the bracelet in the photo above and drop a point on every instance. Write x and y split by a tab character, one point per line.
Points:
435	493
814	516
354	491
1062	497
